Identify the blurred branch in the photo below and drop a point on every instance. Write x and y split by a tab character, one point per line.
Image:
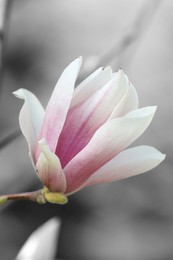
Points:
9	138
4	13
113	55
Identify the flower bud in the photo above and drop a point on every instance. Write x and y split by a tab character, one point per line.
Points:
56	197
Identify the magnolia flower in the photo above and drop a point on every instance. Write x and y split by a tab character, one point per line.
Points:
81	138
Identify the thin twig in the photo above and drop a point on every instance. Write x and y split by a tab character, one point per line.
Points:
113	56
24	196
4	14
36	196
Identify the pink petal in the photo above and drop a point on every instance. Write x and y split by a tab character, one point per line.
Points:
109	140
58	105
91	84
128	163
49	169
83	120
30	118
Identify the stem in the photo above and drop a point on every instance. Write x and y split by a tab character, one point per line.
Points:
33	196
23	196
40	196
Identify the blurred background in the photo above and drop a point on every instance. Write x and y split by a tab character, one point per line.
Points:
128	220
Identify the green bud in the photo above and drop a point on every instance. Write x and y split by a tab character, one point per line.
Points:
3	199
56	197
40	199
45	190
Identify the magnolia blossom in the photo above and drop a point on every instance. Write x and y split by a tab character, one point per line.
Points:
81	138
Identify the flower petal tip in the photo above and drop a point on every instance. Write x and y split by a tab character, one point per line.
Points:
154	153
42	142
18	93
153	108
162	157
122	75
149	110
157	156
78	60
120	71
45	149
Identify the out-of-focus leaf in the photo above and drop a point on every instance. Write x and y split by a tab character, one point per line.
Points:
42	243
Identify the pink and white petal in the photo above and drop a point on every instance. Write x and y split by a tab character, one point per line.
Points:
128	102
91	84
84	120
109	140
30	118
130	162
58	105
49	169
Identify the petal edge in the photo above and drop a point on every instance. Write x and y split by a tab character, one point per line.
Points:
30	118
58	105
130	162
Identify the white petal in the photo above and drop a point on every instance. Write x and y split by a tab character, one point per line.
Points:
128	102
42	243
30	118
91	84
128	163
